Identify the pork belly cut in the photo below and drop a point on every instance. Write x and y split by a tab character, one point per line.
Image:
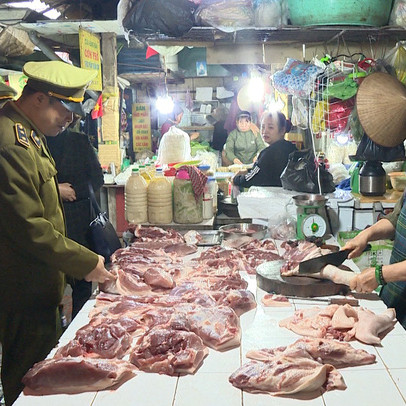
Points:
169	352
126	284
102	341
158	278
218	327
265	245
296	253
238	242
325	351
313	322
341	322
180	249
272	300
76	375
241	301
155	233
287	376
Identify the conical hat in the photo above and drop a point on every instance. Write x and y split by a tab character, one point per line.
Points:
381	107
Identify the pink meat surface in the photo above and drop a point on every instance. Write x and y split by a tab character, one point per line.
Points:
271	300
287	376
169	352
371	327
76	375
325	351
101	341
342	322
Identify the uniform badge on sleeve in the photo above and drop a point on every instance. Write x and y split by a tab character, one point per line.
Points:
36	139
21	135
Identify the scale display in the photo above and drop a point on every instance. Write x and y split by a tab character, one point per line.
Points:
314	225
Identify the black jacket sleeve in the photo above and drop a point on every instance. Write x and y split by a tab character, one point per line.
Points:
269	166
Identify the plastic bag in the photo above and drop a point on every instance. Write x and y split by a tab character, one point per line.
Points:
174	147
301	174
296	78
368	150
173	18
398	14
284	228
300	113
398	61
338	114
225	15
268	13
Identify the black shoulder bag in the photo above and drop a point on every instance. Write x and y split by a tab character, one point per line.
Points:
101	234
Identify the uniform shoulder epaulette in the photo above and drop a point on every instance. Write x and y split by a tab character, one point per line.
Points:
21	135
36	139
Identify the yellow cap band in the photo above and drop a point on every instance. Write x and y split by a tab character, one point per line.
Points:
60	96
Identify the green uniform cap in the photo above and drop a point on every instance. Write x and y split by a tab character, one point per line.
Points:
6	92
61	80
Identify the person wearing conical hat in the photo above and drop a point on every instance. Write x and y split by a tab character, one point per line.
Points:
36	254
382	112
6	93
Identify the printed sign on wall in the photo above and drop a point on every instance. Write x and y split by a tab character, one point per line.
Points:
141	127
89	45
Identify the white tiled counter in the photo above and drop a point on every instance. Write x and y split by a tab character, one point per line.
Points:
371	385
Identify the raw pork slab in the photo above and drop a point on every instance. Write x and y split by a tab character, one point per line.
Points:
76	375
323	350
287	376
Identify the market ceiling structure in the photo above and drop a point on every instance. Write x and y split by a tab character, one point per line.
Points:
100	16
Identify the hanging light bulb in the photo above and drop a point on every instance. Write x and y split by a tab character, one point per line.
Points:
164	104
256	89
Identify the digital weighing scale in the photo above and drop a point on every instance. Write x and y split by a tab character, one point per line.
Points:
310	216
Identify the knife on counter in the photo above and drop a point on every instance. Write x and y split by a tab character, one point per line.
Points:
315	265
329	301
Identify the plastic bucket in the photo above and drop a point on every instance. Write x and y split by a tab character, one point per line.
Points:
340	12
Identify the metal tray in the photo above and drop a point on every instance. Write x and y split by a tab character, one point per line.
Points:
210	238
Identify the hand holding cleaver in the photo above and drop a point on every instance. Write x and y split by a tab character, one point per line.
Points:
315	265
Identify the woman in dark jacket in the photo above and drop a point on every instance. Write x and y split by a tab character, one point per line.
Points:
77	165
273	159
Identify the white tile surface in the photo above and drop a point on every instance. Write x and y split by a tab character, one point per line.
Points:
371	388
206	390
393	352
399	377
53	400
142	390
258	399
221	362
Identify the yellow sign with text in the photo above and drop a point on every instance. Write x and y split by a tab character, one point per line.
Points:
141	127
89	45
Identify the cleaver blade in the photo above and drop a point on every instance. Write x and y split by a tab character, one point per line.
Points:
315	265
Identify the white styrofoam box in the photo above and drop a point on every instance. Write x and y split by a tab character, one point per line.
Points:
266	203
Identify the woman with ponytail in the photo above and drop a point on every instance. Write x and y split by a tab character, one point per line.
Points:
273	159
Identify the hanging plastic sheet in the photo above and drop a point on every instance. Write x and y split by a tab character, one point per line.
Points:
296	78
368	150
225	15
173	18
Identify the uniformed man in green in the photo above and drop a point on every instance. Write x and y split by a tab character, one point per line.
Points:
6	93
35	254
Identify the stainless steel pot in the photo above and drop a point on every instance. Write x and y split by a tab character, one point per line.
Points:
309	200
237	230
372	179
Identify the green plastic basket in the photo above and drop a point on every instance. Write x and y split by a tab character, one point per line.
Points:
340	12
